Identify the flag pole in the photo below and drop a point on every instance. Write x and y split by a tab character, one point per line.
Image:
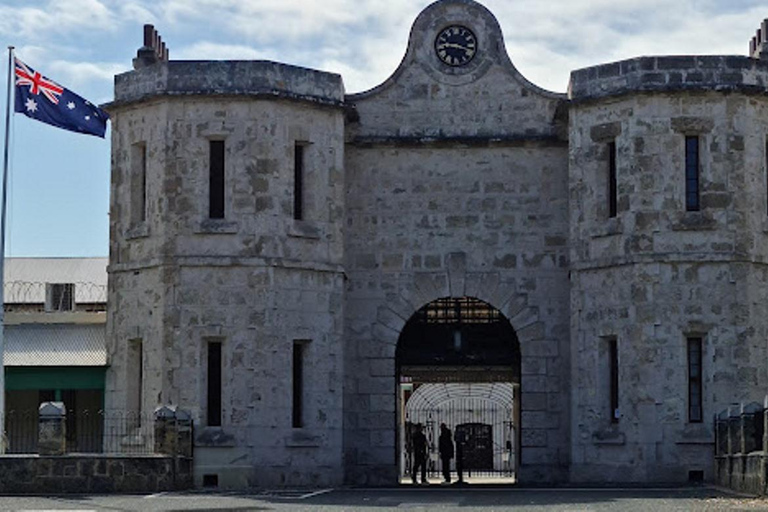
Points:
3	438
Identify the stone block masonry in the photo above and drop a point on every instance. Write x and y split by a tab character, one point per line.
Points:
271	237
76	474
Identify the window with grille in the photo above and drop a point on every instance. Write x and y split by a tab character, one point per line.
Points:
298	181
695	388
692	171
60	297
214	383
613	378
612	183
216	177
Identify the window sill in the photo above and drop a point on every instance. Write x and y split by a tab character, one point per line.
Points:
693	440
217	227
304	229
610	436
136	232
696	433
694	221
612	227
299	438
214	437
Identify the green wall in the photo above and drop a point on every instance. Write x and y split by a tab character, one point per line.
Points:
54	377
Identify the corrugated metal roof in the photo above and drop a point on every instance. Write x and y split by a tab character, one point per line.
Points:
55	345
25	278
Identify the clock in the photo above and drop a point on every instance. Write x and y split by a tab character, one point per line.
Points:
455	45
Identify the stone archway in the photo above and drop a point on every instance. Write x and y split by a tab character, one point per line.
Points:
458	364
541	325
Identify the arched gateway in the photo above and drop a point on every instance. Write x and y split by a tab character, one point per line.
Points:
458	362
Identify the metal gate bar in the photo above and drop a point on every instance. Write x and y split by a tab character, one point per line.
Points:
487	430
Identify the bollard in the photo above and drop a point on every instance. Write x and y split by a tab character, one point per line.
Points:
183	433
52	429
165	430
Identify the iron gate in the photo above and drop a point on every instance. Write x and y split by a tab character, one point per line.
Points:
487	430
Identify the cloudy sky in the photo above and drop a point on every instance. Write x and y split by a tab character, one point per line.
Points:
59	183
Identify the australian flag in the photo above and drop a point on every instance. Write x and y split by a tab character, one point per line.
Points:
43	99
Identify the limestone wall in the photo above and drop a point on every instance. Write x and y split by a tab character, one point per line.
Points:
456	186
99	474
657	274
256	280
425	224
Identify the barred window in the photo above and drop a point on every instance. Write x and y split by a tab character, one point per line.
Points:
298	180
612	184
60	297
214	384
216	180
692	172
613	354
694	380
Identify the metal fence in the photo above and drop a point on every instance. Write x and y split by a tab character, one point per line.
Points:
25	296
740	429
485	435
105	432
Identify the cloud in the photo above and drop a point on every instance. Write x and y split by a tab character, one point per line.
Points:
56	17
77	74
546	40
365	40
136	12
288	21
206	50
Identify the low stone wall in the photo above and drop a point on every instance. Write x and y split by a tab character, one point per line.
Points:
33	474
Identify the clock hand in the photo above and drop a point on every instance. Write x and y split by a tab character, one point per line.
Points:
453	45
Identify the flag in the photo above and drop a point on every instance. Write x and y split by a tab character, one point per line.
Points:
44	100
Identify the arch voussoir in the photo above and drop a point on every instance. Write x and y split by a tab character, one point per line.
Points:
523	323
429	286
456	263
500	294
390	318
479	283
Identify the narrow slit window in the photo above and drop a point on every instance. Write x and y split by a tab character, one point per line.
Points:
138	183
214	384
298	181
140	378
766	173
216	180
692	172
135	379
695	380
612	187
613	376
299	348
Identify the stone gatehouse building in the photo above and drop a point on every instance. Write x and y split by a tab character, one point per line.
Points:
577	282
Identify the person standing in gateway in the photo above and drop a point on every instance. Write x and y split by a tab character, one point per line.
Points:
446	451
461	439
419	445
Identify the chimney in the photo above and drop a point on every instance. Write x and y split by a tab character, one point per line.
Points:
758	46
153	50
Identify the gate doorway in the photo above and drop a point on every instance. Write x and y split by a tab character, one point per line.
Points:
458	364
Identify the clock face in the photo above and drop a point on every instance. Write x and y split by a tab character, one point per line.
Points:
456	45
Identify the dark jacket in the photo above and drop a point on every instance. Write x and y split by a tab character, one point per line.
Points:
446	444
419	442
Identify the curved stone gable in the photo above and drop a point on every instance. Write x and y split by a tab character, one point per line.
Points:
486	98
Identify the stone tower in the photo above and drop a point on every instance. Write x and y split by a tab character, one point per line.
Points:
668	250
227	203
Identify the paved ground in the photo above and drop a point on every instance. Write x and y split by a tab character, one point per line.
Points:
425	499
